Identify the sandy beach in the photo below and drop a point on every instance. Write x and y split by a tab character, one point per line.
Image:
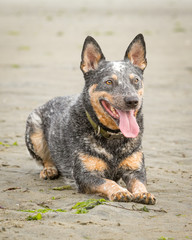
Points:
40	48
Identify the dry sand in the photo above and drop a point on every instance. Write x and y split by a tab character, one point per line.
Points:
40	47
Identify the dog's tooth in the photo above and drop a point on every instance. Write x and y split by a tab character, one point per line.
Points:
112	109
114	112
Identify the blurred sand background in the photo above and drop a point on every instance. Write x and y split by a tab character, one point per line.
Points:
40	47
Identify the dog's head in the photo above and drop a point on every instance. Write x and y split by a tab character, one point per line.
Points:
115	88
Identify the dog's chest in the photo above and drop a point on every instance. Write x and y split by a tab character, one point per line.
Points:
112	153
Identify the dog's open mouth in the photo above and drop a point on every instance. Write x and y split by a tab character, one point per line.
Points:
111	110
125	119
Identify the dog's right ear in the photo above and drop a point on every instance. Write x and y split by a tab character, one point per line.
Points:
91	55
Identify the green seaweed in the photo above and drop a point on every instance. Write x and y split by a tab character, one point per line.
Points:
179	28
144	209
83	207
43	210
8	145
49	18
105	33
147	32
14	33
24	48
180	215
109	33
4	144
15	66
81	211
65	187
36	217
60	34
83	10
165	238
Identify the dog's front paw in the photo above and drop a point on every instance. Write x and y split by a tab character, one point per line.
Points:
49	173
121	196
145	198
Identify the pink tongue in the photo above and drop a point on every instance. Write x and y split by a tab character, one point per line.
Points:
128	124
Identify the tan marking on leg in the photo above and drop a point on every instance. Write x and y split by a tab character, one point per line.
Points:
113	191
40	145
42	150
137	186
133	162
140	193
103	117
93	163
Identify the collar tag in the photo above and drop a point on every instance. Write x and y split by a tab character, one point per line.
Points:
97	130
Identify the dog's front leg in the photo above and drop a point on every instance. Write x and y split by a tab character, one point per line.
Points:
113	191
134	177
104	187
137	186
89	173
140	193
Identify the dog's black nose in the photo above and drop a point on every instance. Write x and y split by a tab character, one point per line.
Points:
131	102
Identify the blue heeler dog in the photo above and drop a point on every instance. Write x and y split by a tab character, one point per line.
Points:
96	137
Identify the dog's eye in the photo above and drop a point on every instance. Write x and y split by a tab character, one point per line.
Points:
136	80
108	82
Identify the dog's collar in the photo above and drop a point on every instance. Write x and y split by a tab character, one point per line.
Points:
100	131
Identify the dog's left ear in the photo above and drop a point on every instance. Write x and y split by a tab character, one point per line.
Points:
136	52
91	55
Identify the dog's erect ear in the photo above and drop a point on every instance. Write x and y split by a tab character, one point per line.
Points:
91	55
136	52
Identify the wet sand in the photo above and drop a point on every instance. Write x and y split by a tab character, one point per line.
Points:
40	48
